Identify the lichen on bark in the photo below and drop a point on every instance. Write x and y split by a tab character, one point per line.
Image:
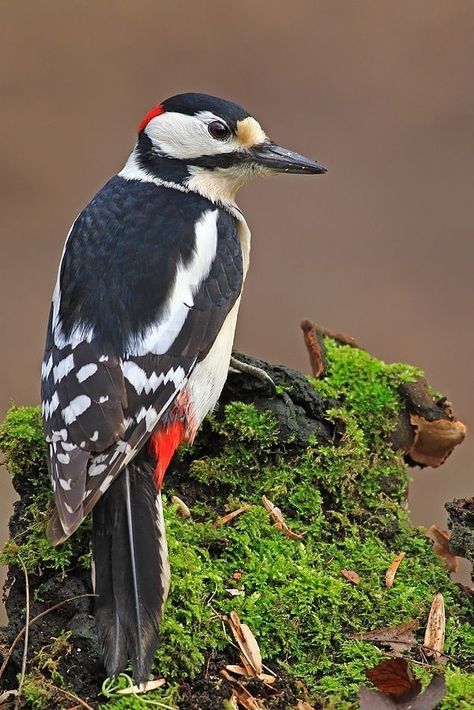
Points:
322	450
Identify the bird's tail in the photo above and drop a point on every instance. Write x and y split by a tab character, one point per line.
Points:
131	569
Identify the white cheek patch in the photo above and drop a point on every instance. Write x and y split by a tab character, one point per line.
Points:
186	137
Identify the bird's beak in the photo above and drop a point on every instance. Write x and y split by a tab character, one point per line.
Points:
281	160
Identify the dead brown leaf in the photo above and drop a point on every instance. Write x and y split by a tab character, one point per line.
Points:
183	509
398	638
394	678
351	576
277	516
303	705
435	629
230	516
392	569
251	656
440	539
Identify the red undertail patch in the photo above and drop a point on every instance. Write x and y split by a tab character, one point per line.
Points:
163	444
152	113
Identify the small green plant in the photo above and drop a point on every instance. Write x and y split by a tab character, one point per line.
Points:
160	698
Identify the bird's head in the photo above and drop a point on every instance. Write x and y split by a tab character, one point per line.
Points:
209	145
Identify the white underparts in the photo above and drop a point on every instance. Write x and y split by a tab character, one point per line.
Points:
207	380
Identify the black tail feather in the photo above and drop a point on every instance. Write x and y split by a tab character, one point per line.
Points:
131	570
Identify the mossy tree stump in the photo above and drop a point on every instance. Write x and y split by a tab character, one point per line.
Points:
323	451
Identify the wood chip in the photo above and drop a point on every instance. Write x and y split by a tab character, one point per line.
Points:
435	440
230	516
238	670
183	509
267	678
351	576
249	669
440	539
392	570
303	705
142	688
246	642
435	629
277	516
243	671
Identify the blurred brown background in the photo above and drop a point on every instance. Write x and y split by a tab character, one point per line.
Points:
381	247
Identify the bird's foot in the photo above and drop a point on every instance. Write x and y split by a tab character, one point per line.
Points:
252	370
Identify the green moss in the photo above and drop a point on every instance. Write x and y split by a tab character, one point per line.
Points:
23	445
460	691
365	386
347	497
38	692
192	628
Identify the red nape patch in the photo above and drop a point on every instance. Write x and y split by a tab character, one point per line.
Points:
152	113
163	444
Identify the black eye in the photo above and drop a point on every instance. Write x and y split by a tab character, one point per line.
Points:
218	130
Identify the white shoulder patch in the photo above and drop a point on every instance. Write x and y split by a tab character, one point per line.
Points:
160	336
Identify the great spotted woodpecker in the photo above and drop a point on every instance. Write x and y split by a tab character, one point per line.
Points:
139	342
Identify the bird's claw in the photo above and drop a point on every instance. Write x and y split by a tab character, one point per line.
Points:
252	370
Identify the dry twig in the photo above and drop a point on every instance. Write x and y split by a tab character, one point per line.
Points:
27	625
230	516
277	516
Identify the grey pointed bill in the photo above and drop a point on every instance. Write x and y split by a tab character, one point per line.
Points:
281	160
